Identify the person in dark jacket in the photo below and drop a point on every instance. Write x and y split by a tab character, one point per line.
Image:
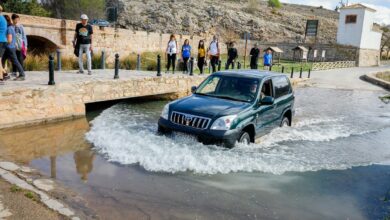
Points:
232	56
254	54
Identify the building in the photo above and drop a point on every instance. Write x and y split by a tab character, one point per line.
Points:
356	28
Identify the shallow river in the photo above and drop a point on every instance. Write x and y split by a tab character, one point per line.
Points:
332	164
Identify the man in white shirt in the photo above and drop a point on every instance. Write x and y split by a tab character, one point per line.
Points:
214	52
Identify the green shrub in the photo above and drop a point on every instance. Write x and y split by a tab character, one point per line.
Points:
274	3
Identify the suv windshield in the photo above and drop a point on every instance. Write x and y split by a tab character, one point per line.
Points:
232	88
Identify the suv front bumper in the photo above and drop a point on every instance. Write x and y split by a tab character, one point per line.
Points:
227	138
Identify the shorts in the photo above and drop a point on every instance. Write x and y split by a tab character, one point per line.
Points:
3	47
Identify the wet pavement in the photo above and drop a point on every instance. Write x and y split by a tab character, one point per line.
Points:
332	164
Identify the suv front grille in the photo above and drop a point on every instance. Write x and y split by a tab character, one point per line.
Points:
188	120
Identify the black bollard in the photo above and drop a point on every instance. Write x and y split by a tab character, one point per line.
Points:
219	65
138	62
191	66
238	65
300	73
116	76
282	69
59	64
270	68
159	65
292	72
51	70
103	60
308	74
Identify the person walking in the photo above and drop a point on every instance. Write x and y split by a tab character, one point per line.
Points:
201	56
3	43
186	54
10	52
171	53
267	60
254	54
83	37
232	56
21	42
214	53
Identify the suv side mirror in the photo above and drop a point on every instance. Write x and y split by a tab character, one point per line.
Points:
267	100
193	89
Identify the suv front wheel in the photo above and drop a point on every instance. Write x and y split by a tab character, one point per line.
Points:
244	138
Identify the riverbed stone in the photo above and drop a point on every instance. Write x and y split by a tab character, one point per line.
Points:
9	166
44	184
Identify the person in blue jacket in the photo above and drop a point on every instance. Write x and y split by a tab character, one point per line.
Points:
186	54
3	42
267	59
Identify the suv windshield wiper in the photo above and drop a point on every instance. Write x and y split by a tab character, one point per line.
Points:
204	94
230	98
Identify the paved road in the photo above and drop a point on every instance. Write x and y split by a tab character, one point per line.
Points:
348	78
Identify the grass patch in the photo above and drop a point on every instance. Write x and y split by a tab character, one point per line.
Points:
384	76
31	195
15	188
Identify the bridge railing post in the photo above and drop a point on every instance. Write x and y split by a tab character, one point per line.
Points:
116	76
308	74
103	60
138	67
282	69
159	65
51	71
192	66
59	64
292	72
300	72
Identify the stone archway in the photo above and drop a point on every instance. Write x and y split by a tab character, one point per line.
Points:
38	45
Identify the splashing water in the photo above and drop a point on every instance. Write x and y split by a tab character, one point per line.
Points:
127	134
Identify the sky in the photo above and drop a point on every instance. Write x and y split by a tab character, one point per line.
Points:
382	7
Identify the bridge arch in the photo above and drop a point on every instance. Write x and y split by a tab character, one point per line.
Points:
39	45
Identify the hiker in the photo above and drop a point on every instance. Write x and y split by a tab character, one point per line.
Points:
186	54
83	37
3	43
201	56
10	52
267	60
232	56
254	54
21	42
171	53
214	53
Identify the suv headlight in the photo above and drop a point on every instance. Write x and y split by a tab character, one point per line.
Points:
223	123
165	112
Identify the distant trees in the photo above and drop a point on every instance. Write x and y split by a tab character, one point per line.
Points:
30	7
72	9
274	3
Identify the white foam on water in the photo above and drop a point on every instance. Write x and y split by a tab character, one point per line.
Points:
128	136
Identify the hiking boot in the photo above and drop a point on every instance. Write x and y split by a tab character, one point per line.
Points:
20	78
14	74
80	72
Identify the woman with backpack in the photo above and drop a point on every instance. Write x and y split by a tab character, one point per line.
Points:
21	42
201	56
171	53
10	52
186	54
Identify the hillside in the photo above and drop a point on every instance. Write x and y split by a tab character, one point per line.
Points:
193	17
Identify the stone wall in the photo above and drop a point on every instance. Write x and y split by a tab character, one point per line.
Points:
36	104
368	57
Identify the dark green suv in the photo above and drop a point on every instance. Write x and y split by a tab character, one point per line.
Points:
232	106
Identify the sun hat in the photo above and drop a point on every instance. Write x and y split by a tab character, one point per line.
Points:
84	17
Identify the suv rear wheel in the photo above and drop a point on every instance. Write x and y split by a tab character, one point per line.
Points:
244	138
285	122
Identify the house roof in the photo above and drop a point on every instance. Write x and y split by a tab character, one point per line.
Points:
275	49
358	5
301	48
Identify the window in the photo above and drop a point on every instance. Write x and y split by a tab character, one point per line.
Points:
282	86
266	90
350	19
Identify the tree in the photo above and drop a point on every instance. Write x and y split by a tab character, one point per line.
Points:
274	3
29	7
72	9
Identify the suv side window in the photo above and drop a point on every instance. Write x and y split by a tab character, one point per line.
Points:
282	86
267	90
